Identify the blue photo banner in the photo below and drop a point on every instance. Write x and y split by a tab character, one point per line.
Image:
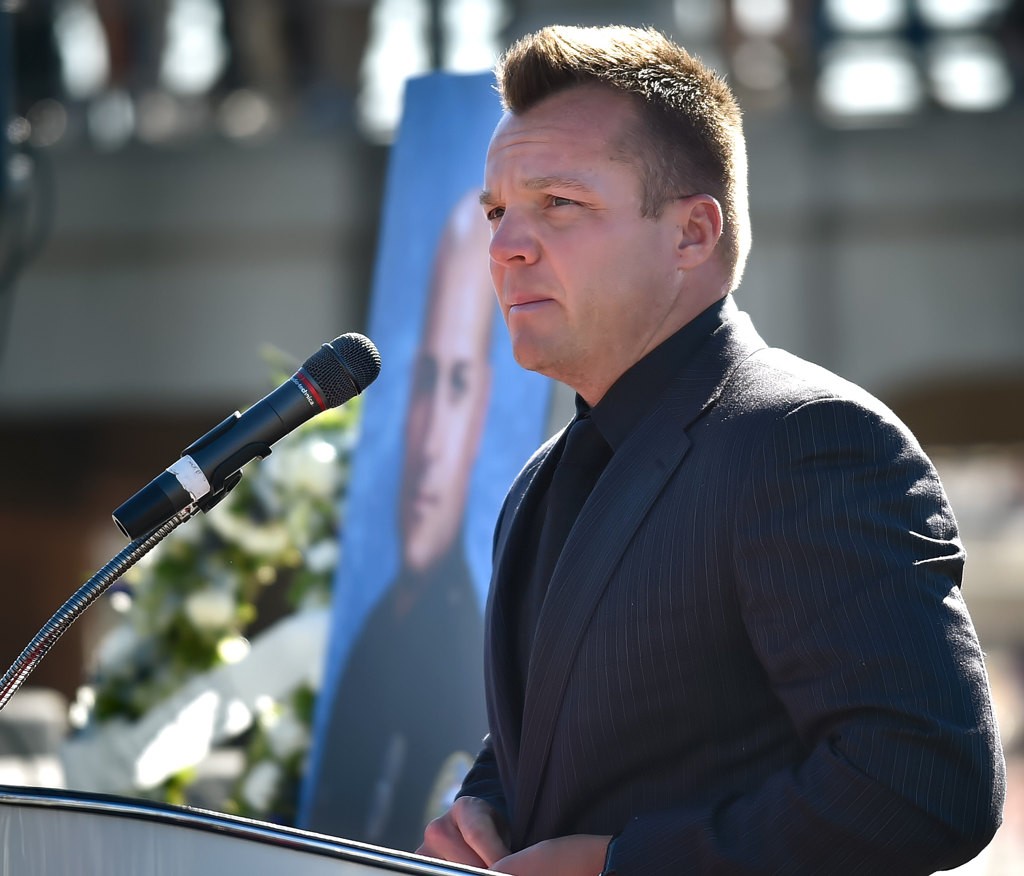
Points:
445	429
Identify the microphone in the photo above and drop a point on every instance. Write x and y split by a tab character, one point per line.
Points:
209	468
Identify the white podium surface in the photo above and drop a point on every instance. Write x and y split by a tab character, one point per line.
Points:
64	833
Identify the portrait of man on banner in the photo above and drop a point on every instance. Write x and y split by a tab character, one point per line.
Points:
401	713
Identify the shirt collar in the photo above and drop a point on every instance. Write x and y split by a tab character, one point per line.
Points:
635	393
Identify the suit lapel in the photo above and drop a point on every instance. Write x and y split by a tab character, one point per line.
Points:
506	590
622	498
619	502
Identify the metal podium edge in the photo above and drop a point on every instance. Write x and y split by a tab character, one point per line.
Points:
232	825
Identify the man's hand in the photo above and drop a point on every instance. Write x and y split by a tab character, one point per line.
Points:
578	855
468	833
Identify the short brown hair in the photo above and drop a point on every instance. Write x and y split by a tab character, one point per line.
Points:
692	136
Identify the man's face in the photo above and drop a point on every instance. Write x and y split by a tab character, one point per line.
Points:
451	383
583	280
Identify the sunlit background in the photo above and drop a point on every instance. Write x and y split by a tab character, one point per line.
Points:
187	183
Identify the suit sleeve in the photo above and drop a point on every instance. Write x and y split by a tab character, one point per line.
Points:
849	566
482	780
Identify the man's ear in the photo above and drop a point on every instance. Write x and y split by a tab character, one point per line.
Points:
698	224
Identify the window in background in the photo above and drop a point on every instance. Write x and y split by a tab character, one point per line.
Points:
405	38
759	56
886	61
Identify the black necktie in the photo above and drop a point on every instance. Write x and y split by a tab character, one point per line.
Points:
584	456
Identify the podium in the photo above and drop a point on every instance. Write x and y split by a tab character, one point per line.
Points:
46	832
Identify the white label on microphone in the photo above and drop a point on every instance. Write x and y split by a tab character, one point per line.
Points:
191	477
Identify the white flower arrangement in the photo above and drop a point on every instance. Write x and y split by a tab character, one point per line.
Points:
262	785
210	609
194	605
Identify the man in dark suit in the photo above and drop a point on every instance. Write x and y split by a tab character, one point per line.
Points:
725	631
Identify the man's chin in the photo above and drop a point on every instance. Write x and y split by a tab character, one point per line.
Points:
536	354
419	561
531	359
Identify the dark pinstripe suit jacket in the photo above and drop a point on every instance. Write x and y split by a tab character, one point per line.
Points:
753	656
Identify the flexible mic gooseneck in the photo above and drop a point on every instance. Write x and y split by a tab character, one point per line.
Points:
209	467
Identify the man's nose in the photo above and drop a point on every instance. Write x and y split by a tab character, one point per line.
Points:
514	240
436	425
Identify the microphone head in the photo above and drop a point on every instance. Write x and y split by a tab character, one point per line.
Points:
344	367
360	356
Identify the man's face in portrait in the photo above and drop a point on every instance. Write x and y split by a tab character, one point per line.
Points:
450	389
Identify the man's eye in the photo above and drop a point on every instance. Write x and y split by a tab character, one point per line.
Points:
459	380
557	201
495	213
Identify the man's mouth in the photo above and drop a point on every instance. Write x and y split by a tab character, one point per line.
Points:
526	306
420	501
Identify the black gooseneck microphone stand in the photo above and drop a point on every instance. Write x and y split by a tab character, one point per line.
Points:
224	482
97	585
82	598
334	373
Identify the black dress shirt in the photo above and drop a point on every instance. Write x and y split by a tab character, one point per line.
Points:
591	439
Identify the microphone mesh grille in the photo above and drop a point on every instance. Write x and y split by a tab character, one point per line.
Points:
359	356
344	367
